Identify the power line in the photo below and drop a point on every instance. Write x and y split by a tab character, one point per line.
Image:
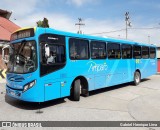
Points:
108	32
125	29
146	28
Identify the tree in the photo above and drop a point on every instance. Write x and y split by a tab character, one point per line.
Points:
43	23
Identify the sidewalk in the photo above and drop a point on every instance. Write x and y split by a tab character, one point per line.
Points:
2	80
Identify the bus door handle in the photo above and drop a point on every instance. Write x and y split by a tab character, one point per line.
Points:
46	85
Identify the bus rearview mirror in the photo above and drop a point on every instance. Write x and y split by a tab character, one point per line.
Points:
6	53
47	50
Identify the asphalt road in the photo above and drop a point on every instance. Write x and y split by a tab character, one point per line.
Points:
119	103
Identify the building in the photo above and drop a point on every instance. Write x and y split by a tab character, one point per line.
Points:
158	59
6	28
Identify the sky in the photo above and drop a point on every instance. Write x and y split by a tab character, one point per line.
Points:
101	17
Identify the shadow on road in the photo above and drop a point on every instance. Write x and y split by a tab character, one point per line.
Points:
35	106
32	105
102	90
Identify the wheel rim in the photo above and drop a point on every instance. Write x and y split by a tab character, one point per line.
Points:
80	89
137	78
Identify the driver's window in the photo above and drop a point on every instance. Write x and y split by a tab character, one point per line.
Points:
57	55
52	56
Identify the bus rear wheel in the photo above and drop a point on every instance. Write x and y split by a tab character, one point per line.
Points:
76	90
137	78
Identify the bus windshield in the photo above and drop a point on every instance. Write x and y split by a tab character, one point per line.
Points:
23	57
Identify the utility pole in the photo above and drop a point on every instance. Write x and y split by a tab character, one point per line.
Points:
80	24
149	39
128	23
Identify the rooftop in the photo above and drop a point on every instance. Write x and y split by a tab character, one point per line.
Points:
6	28
4	13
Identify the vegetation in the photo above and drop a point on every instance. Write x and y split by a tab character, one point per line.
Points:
43	23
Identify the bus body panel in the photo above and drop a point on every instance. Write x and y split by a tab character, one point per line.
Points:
128	69
14	87
98	73
98	69
146	67
120	71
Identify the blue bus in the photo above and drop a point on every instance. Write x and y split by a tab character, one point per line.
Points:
47	64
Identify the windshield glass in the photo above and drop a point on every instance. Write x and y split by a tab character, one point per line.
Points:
23	57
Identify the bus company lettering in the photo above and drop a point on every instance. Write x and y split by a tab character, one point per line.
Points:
97	67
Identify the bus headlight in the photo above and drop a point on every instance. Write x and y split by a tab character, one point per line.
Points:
29	85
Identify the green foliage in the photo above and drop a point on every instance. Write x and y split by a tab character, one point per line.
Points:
43	23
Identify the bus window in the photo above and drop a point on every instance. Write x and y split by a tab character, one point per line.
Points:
78	49
126	51
145	52
113	50
57	54
136	52
152	52
24	57
57	57
98	50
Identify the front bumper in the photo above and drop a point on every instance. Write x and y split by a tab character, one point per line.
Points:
30	95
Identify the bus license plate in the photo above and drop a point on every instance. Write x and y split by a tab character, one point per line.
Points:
12	93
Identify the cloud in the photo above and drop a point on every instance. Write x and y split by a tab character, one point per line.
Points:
19	9
66	23
56	20
28	12
116	29
81	2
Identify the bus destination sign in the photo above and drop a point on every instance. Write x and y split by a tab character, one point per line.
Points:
22	34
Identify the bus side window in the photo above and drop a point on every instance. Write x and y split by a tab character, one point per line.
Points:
98	50
78	49
126	51
145	52
152	52
113	50
52	58
137	52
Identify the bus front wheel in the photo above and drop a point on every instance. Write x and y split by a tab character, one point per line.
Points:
76	90
137	78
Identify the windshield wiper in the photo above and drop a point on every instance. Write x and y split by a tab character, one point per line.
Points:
21	46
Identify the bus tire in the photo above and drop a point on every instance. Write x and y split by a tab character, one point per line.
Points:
137	78
76	90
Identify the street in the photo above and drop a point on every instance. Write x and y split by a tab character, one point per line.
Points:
119	103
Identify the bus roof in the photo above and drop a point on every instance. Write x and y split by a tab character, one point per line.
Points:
84	36
98	38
